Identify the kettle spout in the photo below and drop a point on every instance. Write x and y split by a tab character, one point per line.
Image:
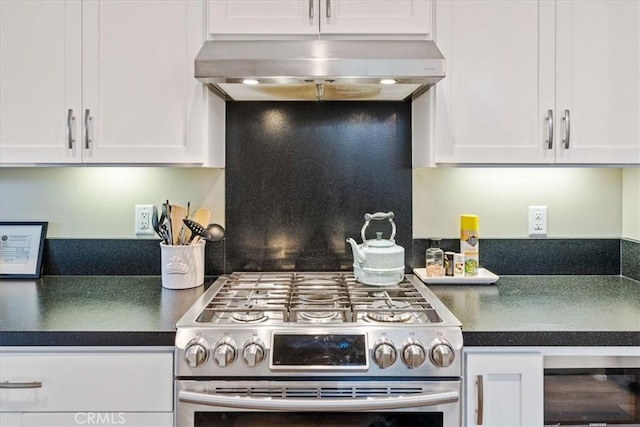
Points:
358	253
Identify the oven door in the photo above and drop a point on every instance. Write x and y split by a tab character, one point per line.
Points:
592	391
317	403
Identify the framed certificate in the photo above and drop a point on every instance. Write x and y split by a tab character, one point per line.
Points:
21	245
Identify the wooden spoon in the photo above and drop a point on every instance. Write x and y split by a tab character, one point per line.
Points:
178	213
202	217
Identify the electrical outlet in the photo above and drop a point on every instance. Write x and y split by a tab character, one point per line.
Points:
537	221
143	219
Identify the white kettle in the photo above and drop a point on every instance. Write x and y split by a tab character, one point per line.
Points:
378	262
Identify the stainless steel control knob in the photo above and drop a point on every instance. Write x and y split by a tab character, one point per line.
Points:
413	354
225	352
253	354
442	355
195	355
384	353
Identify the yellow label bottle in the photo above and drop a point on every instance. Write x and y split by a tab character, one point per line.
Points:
470	244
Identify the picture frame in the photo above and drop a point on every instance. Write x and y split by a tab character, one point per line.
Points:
21	247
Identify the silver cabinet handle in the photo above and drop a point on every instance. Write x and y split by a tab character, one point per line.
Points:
311	12
71	120
87	133
480	410
328	8
31	384
567	129
550	129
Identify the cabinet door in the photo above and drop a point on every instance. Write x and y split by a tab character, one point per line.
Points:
375	16
263	17
492	104
40	75
141	101
10	419
87	381
504	389
598	81
98	419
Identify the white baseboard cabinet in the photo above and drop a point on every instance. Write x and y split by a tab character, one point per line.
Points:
56	387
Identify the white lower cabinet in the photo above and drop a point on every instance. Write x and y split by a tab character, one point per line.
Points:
86	386
503	387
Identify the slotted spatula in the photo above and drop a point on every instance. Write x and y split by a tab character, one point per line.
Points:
197	230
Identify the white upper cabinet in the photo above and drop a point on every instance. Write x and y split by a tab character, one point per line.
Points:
489	105
40	74
516	69
139	84
102	82
320	17
598	81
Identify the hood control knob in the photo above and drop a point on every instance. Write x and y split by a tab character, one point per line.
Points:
253	353
413	354
196	353
225	352
442	354
384	353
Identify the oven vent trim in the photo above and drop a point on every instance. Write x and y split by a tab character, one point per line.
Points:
318	392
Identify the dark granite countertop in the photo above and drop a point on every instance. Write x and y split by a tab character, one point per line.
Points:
547	311
137	311
92	311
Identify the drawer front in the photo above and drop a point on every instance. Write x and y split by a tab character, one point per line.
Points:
98	419
95	382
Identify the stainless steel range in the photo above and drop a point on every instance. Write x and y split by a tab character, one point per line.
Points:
314	345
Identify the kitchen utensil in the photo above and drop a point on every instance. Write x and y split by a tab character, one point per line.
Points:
196	230
378	262
201	216
166	209
164	233
216	231
155	223
177	214
184	231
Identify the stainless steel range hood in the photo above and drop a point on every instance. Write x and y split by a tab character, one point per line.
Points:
310	70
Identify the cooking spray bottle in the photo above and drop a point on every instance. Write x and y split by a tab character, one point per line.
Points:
469	244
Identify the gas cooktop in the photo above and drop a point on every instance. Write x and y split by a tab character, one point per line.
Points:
251	324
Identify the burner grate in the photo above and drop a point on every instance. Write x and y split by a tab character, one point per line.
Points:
315	298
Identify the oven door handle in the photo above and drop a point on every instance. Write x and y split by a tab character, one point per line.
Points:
285	404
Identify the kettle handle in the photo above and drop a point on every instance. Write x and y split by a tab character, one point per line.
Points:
378	216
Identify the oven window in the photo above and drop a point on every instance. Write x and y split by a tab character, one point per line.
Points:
351	419
591	396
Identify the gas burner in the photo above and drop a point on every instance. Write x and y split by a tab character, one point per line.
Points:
249	316
251	311
318	298
317	307
385	311
318	316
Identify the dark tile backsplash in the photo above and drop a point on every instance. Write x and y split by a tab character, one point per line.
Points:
120	257
630	258
538	256
300	177
95	257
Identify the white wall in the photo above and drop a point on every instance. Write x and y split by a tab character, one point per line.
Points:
631	203
99	202
582	202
